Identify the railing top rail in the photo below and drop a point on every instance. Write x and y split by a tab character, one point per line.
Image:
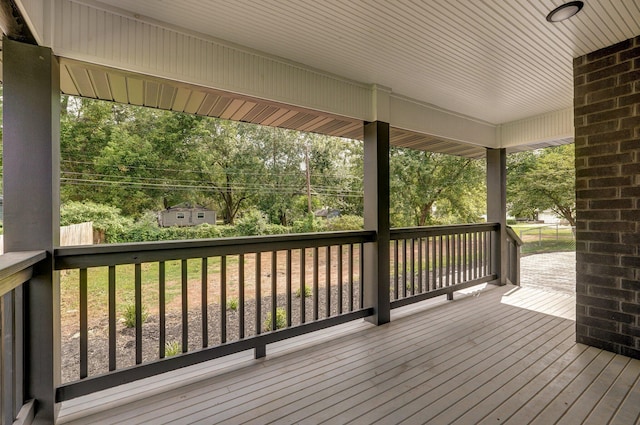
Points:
415	232
513	235
12	264
132	253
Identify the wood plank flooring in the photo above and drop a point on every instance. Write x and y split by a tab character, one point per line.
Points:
503	355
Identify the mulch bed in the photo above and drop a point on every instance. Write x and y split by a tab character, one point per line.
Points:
98	341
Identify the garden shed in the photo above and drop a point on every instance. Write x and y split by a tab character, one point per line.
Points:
185	214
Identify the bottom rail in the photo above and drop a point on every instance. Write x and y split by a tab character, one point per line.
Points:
258	342
449	290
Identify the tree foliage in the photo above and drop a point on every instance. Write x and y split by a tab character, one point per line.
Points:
540	180
430	188
140	159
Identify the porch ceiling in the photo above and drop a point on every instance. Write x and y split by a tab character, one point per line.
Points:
459	75
494	60
83	79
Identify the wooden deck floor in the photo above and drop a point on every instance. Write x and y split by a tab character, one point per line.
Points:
505	355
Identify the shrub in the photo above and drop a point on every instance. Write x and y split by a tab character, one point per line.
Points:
307	292
309	224
345	222
232	304
147	229
172	348
276	229
130	315
252	223
281	319
105	218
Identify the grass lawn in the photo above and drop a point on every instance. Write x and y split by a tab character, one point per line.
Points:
541	238
98	284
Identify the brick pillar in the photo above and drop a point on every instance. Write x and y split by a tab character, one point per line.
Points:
607	143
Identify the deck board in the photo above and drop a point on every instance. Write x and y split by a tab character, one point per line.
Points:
504	355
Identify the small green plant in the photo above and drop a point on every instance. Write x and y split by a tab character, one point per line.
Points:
307	292
281	320
130	315
232	304
172	348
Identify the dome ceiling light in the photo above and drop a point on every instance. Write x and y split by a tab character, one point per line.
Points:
565	11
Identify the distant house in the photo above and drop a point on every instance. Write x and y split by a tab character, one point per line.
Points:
327	212
185	214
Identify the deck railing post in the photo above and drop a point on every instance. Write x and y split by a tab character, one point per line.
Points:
31	144
497	210
376	217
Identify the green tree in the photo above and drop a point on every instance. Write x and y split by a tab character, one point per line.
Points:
126	170
228	164
540	180
431	188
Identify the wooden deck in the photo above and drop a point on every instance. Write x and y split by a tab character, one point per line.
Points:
504	355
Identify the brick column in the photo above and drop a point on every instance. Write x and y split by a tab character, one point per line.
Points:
607	143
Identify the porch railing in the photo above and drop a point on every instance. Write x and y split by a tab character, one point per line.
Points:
427	262
231	295
16	268
224	296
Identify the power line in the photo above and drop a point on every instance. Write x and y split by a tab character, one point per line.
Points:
174	187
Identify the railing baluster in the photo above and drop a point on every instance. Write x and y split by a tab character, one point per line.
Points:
396	267
204	301
463	256
274	290
486	253
241	295
404	268
448	258
303	278
288	290
340	289
84	327
315	284
475	255
413	267
223	299
420	267
185	307
434	263
9	354
360	277
162	308
17	351
138	304
327	282
454	259
487	247
351	277
112	317
459	257
480	254
440	261
260	350
427	264
258	294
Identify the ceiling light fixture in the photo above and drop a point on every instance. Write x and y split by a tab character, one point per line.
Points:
565	11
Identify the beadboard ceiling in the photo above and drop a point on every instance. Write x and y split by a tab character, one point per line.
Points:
493	60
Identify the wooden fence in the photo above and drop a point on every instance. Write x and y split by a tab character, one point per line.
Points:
75	234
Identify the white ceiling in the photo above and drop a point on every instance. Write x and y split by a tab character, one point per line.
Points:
494	60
